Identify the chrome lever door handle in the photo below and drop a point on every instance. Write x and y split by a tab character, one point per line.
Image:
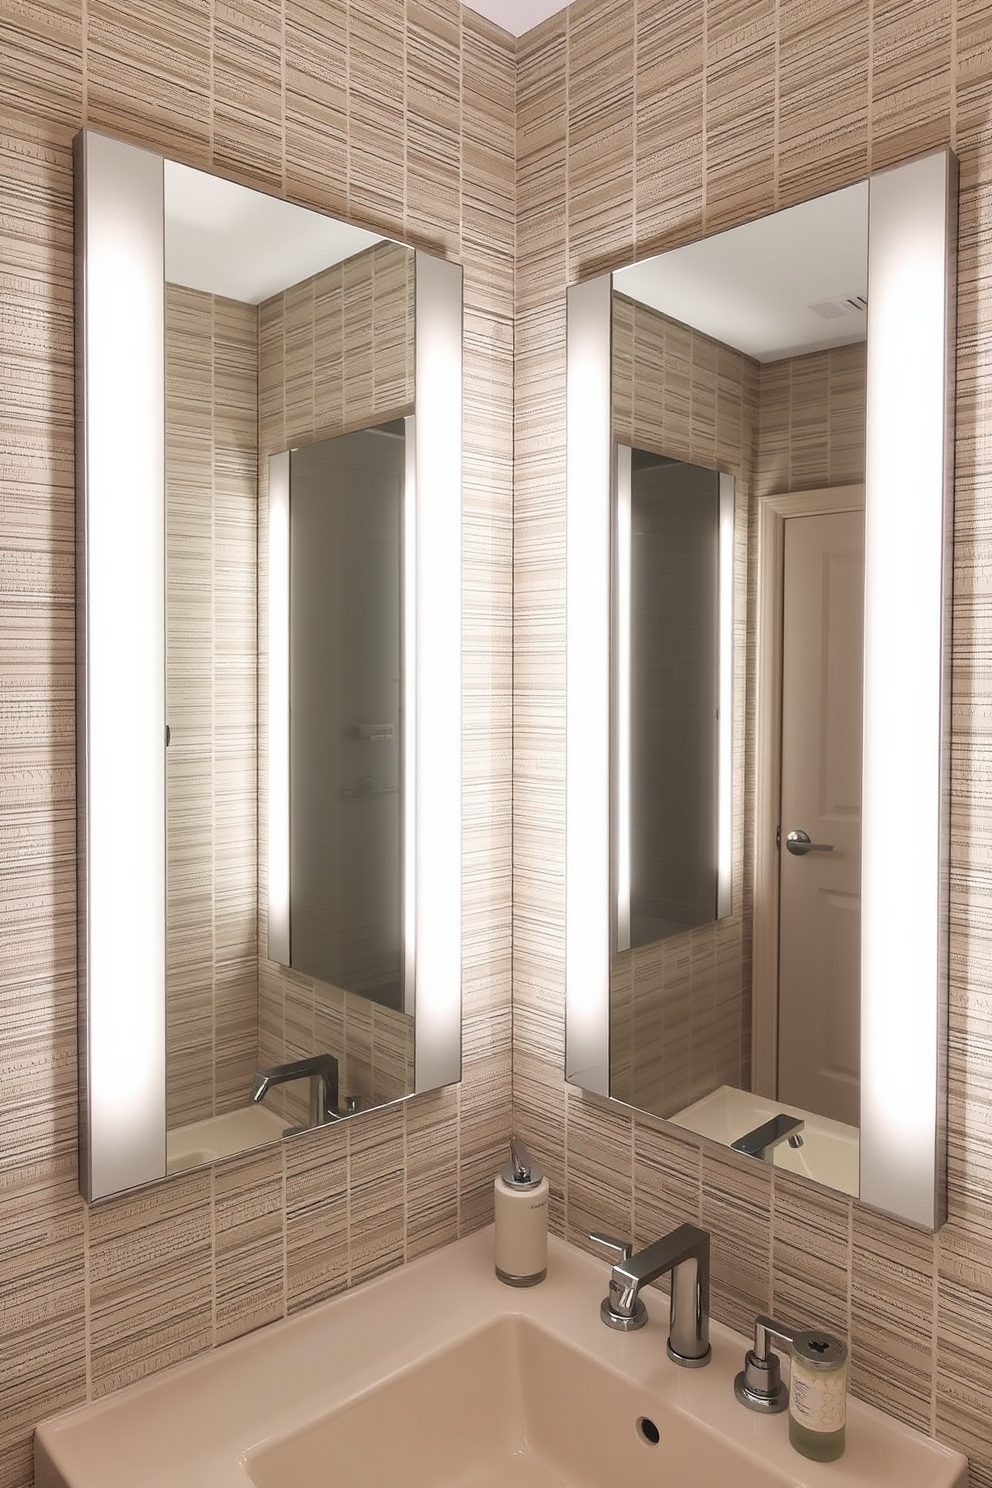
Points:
799	844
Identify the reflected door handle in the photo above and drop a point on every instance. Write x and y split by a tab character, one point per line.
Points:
799	844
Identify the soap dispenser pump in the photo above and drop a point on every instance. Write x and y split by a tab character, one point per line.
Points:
521	1197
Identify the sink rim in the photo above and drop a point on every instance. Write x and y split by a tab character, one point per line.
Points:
212	1410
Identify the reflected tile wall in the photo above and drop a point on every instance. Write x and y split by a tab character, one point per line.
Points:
336	353
811	421
738	108
680	1010
311	101
211	362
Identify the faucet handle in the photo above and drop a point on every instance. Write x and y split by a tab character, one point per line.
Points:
622	1248
759	1385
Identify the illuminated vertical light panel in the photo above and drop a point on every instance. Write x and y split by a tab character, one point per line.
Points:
278	709
587	685
120	649
437	744
623	620
725	732
408	716
911	237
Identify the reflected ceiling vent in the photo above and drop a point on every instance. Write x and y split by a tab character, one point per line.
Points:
842	305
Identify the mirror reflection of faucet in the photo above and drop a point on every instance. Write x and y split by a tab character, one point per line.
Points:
762	1140
322	1072
373	732
367	787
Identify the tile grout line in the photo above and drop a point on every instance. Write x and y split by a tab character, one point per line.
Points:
777	118
87	1301
213	1256
284	1176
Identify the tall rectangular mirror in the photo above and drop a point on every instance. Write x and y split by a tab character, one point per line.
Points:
269	425
805	362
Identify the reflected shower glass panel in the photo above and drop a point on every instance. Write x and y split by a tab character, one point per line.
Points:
674	695
346	508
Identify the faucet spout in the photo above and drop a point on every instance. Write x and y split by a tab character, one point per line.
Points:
322	1072
686	1254
762	1141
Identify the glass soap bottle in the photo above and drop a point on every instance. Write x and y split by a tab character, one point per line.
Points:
521	1195
818	1396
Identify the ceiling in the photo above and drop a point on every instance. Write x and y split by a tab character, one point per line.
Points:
517	16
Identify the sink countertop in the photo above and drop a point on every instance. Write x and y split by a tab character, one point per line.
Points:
192	1426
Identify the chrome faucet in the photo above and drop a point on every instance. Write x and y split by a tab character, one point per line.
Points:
322	1072
686	1254
762	1141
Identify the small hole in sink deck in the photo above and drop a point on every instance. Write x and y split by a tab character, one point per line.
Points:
648	1431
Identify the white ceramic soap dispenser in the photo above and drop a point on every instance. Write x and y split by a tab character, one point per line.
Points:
521	1220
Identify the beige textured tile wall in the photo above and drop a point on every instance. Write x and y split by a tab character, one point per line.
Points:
632	133
211	497
395	113
336	353
811	421
640	127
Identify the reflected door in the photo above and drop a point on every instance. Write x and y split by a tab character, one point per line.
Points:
820	904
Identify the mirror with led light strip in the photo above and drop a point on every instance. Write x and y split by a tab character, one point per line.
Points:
807	358
268	467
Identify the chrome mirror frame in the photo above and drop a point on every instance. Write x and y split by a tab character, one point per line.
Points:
120	665
911	341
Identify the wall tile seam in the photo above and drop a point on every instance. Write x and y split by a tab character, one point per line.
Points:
620	256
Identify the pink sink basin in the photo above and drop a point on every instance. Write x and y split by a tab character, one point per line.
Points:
509	1407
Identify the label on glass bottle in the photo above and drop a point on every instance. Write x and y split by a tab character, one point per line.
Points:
818	1397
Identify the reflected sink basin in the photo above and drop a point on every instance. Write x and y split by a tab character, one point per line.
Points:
510	1405
438	1376
221	1136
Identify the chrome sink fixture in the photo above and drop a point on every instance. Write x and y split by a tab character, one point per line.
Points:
762	1141
759	1385
322	1072
437	1375
686	1254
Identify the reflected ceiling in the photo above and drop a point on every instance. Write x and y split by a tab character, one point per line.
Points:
223	239
782	286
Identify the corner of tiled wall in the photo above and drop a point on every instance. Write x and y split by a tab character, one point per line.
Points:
634	127
641	126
